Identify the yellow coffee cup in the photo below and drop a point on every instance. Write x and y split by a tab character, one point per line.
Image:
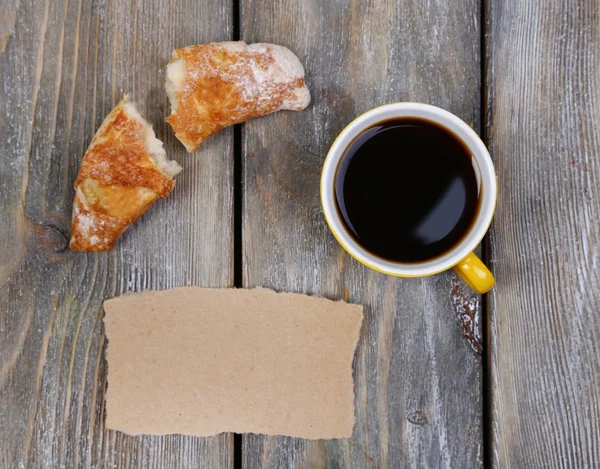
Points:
460	257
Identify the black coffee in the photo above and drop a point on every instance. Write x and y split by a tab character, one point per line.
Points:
406	190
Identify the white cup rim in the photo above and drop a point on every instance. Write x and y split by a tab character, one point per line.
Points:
487	188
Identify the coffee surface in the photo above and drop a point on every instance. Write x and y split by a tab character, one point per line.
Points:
406	190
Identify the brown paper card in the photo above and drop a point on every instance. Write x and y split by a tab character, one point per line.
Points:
201	361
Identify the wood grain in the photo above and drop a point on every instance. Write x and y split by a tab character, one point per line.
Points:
418	380
64	65
543	76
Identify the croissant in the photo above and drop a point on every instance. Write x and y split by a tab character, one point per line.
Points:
123	172
215	85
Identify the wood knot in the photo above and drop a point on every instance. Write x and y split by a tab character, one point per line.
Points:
417	418
50	238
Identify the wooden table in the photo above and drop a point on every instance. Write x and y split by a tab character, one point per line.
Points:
444	378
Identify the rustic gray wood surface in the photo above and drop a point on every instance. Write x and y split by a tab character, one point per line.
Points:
64	65
418	379
418	367
543	75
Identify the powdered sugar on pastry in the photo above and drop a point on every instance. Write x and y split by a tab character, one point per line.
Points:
123	172
212	86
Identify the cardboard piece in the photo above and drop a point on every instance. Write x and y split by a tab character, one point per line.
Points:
201	361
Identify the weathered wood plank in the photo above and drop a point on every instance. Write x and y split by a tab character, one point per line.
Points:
543	82
418	380
64	64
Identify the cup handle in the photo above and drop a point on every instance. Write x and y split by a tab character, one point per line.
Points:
475	274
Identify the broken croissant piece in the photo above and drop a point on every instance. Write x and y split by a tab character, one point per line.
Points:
123	172
215	85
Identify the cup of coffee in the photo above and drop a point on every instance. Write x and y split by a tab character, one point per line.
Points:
409	190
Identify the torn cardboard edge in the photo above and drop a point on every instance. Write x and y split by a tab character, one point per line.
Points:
202	361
